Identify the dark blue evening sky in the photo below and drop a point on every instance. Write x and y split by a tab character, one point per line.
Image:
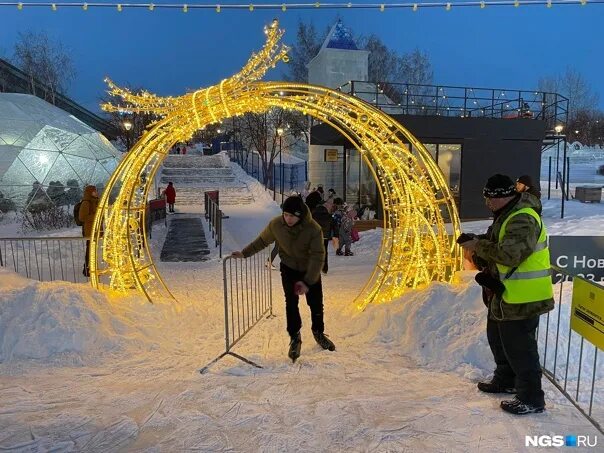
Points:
169	52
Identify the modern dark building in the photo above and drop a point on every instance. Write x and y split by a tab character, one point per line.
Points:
471	133
13	80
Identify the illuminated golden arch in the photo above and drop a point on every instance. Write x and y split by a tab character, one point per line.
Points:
416	248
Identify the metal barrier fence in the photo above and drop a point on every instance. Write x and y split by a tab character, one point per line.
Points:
282	178
247	299
559	364
45	258
214	216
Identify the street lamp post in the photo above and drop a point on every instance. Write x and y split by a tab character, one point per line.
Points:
558	130
127	126
280	133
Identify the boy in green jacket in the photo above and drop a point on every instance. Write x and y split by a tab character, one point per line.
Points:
302	254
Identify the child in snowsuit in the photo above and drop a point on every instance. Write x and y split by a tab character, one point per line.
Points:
345	232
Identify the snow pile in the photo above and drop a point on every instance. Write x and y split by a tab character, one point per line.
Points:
261	195
41	320
441	327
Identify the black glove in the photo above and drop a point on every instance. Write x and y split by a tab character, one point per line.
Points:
465	237
488	281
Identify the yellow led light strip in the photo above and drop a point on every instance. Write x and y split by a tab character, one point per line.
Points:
417	202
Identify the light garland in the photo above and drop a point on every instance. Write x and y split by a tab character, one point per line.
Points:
416	199
300	6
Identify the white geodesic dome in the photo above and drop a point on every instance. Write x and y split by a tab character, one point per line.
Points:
47	156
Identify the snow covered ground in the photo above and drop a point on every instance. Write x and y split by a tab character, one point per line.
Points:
85	371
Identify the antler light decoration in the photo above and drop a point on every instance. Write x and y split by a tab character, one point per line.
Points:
416	200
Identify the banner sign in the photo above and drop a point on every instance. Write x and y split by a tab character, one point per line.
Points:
578	255
587	315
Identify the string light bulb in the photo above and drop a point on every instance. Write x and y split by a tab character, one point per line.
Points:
448	7
516	3
283	8
185	8
583	2
317	5
251	7
119	7
217	8
382	8
482	5
151	7
414	7
85	6
549	3
53	6
19	6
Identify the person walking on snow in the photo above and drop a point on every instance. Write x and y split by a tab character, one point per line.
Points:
170	194
301	251
515	276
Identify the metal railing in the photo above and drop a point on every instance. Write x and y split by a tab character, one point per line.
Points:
444	100
557	334
45	258
248	298
214	216
281	177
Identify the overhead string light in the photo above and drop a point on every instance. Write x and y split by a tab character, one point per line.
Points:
185	7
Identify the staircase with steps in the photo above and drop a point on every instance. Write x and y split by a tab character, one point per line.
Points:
194	175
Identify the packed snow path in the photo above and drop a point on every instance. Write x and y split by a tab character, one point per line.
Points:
84	371
185	241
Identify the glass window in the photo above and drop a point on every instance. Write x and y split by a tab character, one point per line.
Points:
449	161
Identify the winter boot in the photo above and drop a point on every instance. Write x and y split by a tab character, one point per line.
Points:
517	407
295	345
349	253
339	252
495	387
323	341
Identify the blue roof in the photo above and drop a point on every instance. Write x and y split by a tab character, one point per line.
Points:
341	38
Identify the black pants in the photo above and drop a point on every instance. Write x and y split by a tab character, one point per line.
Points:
86	270
314	299
514	347
326	245
170	207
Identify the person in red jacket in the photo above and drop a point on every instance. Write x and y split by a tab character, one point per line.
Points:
170	194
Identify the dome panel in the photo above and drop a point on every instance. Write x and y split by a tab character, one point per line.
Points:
37	162
17	175
82	167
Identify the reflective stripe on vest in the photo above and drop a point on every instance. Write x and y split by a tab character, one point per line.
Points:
531	281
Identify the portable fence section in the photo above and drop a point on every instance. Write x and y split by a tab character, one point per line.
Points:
247	299
45	258
214	216
580	379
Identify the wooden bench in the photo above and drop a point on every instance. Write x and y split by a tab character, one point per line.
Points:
364	225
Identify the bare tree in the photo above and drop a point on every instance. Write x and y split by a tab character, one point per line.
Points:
307	46
581	97
139	122
44	61
259	133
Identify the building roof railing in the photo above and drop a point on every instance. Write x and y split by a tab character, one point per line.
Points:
465	102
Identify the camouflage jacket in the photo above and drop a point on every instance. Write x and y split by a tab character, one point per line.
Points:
521	235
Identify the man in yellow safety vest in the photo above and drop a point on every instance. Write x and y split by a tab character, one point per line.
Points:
515	276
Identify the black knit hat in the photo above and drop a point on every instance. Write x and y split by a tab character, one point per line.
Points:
526	180
499	186
294	206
